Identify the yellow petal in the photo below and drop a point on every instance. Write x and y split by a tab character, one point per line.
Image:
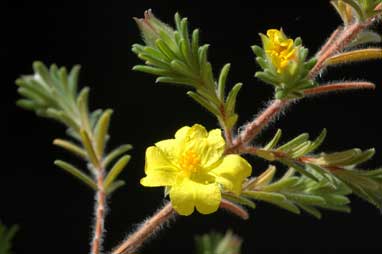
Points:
170	148
187	194
156	159
159	177
231	172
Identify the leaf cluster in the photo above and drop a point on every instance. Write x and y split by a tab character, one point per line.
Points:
178	58
52	93
319	175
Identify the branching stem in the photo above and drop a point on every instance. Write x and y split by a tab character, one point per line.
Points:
337	42
253	128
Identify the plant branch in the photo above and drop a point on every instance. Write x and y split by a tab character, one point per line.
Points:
147	229
338	41
253	128
333	37
234	209
99	213
338	87
278	155
154	223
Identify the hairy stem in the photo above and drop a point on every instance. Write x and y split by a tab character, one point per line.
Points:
147	229
253	128
336	43
338	87
154	223
100	215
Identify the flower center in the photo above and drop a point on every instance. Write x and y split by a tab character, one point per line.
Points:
189	162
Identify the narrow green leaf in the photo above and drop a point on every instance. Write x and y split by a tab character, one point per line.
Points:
274	140
27	104
116	170
182	69
204	103
364	156
101	131
262	62
299	169
114	186
285	182
73	79
306	199
294	142
82	104
76	173
366	37
151	70
195	42
222	80
231	98
177	80
91	153
240	200
166	50
313	211
71	147
116	153
262	180
317	142
267	78
275	199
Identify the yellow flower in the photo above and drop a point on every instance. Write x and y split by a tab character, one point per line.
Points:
280	50
194	168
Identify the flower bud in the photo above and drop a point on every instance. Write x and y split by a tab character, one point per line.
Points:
153	29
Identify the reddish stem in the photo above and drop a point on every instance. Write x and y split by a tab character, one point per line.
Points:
337	43
339	87
235	209
330	41
100	215
253	128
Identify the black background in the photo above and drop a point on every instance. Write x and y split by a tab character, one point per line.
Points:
54	211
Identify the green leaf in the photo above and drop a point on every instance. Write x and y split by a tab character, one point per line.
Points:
116	153
116	170
293	143
273	198
101	131
231	98
222	81
82	104
239	200
274	140
91	153
204	103
76	173
114	186
71	147
365	184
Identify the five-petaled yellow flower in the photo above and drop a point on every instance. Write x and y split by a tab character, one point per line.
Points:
280	50
194	168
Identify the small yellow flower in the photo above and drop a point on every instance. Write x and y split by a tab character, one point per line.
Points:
280	50
195	169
